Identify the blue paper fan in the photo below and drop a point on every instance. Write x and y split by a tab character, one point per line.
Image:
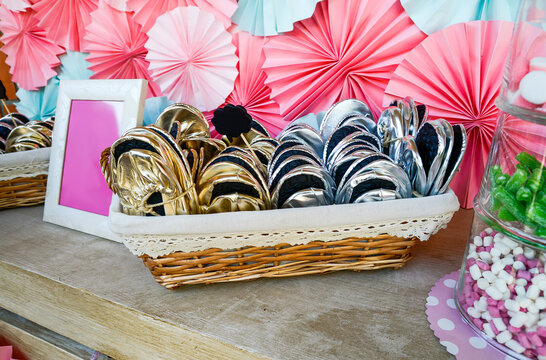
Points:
271	17
74	67
153	107
41	104
431	16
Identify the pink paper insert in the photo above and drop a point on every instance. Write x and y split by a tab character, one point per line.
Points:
92	127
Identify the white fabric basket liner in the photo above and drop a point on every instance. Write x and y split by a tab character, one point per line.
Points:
162	235
24	163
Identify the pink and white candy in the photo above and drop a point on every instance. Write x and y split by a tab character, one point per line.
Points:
504	292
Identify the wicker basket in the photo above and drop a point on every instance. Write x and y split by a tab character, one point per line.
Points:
23	178
193	249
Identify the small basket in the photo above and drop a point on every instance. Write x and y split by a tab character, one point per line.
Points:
23	178
192	249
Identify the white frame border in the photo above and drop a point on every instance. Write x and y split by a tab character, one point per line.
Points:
133	94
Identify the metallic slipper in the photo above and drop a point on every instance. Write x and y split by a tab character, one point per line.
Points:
150	174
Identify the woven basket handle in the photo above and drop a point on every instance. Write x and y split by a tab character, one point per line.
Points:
105	167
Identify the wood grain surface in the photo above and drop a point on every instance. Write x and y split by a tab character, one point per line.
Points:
39	343
97	293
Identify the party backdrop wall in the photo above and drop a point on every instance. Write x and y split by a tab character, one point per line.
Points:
280	59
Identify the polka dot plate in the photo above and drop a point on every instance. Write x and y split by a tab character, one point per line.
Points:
448	325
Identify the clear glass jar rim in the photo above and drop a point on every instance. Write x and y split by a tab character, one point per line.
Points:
514	233
535	116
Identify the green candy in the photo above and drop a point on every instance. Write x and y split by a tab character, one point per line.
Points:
510	203
541	198
528	160
516	181
505	214
537	213
497	176
536	180
502	179
494	204
541	232
524	194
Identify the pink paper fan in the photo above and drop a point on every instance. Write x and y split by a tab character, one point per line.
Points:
116	49
146	12
250	90
30	54
16	5
192	58
348	49
120	5
65	20
458	73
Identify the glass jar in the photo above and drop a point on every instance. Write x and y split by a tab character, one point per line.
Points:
501	290
525	73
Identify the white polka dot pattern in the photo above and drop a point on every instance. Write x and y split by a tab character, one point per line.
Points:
451	347
477	342
432	301
448	326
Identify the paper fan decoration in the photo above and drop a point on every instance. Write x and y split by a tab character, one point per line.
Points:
457	72
65	20
116	49
16	5
40	104
432	16
153	107
250	90
348	49
74	66
271	17
23	36
192	58
120	5
146	11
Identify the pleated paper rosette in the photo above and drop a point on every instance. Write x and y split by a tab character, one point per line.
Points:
22	35
42	103
146	11
115	43
74	66
120	5
457	72
192	58
347	49
153	107
250	90
65	20
39	104
271	17
16	5
432	16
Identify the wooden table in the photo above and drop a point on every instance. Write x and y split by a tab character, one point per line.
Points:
95	292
